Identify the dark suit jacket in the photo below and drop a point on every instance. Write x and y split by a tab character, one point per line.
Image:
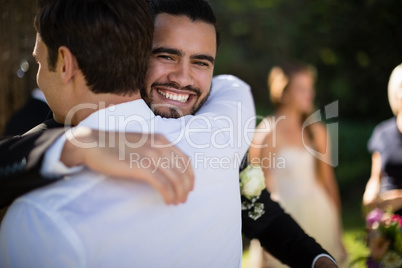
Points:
30	115
20	159
280	235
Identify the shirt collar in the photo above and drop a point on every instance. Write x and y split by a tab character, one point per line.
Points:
119	116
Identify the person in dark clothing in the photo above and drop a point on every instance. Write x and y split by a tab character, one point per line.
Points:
31	114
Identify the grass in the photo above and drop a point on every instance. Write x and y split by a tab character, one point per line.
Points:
354	225
354	243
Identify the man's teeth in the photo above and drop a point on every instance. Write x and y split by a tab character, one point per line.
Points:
173	96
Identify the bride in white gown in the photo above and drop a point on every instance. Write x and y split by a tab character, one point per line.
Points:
303	184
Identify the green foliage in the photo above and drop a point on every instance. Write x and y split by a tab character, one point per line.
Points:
390	231
354	159
354	45
398	242
354	241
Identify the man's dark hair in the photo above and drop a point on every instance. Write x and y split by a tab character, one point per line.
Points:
196	10
111	40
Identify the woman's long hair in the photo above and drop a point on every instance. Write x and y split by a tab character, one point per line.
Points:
278	81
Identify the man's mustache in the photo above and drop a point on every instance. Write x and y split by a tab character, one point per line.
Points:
177	86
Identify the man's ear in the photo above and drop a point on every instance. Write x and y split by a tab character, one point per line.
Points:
67	64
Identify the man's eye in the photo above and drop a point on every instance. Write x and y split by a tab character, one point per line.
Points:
200	63
166	57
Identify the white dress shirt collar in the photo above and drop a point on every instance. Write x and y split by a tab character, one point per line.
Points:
105	117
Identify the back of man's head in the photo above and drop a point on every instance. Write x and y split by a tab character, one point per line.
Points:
196	10
111	40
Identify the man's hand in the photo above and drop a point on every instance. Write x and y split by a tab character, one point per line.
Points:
145	157
325	262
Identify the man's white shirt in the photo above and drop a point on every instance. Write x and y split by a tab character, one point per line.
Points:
90	220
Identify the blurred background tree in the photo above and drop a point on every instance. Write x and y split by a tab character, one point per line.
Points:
353	44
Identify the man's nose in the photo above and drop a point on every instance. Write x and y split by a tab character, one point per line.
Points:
182	75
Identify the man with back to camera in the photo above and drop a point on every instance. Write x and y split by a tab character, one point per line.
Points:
163	57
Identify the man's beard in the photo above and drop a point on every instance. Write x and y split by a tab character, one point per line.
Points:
173	111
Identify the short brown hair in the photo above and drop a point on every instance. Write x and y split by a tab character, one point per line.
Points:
111	40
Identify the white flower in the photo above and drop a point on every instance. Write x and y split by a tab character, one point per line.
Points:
391	260
257	212
252	181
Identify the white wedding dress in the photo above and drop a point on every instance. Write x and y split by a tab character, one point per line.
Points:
297	189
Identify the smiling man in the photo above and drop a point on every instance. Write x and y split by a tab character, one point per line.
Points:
184	64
